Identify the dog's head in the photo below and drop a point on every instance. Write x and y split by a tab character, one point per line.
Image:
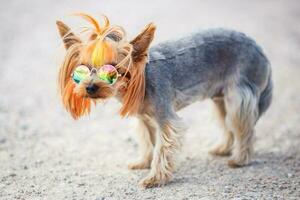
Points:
100	63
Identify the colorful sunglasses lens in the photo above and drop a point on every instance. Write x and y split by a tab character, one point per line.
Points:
80	73
108	73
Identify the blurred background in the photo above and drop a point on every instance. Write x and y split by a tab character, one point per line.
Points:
45	154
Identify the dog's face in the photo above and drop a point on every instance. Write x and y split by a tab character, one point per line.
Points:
102	66
93	85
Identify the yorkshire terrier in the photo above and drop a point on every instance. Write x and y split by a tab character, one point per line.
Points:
154	83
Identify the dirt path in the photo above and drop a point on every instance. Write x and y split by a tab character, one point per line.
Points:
44	154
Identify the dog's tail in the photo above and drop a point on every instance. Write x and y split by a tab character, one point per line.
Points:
266	96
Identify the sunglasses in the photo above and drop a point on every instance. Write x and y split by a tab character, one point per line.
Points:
106	73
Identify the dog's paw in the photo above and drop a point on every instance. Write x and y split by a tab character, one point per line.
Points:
240	159
154	181
236	163
220	151
139	165
233	164
150	182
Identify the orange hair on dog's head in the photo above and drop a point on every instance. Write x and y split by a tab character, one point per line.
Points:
95	52
105	45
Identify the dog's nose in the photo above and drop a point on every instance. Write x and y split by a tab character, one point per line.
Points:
91	89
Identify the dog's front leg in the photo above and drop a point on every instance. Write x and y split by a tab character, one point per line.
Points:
146	135
167	143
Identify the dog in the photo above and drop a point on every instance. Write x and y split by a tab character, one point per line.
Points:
154	83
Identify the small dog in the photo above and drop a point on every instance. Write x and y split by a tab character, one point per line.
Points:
152	84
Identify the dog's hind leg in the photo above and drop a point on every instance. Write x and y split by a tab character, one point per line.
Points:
241	103
224	148
167	143
146	133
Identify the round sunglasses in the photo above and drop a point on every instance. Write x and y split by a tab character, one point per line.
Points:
106	73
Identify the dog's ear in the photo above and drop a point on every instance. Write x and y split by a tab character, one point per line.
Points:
67	35
142	42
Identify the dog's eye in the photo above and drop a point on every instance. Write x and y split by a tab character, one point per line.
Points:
80	73
108	73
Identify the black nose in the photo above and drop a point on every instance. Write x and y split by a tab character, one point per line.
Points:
91	89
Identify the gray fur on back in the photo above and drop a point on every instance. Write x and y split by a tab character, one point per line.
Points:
201	66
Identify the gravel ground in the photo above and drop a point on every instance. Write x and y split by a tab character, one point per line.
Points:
44	154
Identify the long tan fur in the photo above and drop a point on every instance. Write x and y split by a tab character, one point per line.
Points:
134	97
98	51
